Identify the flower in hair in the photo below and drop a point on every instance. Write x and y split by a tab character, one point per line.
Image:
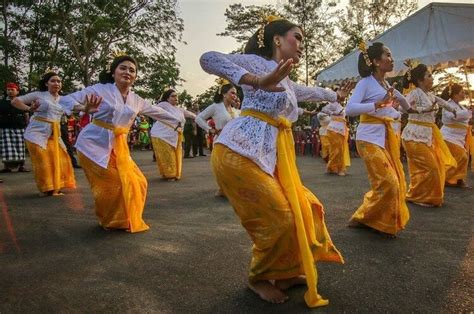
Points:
363	49
261	31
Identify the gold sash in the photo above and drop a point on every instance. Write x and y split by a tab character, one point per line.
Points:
347	156
57	164
130	185
441	149
297	196
393	150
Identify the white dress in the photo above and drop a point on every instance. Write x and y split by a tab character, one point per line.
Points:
38	132
463	115
165	132
324	120
366	93
249	136
95	142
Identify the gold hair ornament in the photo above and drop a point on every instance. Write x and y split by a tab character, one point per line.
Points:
115	54
51	70
363	49
261	32
222	82
411	64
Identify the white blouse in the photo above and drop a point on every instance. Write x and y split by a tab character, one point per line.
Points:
422	102
218	113
334	109
163	131
38	132
248	136
366	93
463	115
95	142
324	120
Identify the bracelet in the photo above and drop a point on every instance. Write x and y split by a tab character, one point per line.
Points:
255	82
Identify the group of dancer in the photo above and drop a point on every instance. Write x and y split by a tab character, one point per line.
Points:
253	158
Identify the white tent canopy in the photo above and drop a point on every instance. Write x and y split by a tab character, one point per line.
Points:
439	35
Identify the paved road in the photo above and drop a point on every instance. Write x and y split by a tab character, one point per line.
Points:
54	257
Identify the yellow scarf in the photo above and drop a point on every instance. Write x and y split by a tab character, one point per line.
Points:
55	137
296	194
441	149
130	186
347	156
393	150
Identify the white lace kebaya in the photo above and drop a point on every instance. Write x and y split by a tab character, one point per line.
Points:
463	115
423	102
248	136
335	109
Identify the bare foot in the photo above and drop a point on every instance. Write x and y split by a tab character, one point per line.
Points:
342	174
219	193
424	204
268	292
286	284
58	193
356	224
386	235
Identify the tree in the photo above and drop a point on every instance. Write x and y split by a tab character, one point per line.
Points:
243	21
366	19
317	20
185	99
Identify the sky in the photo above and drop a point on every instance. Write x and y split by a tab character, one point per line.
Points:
203	19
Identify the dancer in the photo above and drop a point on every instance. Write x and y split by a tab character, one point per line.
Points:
118	185
427	153
324	120
384	208
167	137
221	112
12	130
283	218
457	134
338	138
51	164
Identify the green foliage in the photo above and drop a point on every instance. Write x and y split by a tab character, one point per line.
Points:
79	39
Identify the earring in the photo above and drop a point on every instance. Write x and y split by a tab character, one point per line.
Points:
277	44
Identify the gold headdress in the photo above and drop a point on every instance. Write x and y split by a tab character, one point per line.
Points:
51	70
365	54
221	82
261	32
411	64
114	54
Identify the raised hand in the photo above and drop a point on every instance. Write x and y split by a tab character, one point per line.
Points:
344	91
270	81
92	103
387	101
34	106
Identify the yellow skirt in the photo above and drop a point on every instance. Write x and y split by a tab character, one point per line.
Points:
462	158
427	174
336	152
265	213
168	158
42	161
381	208
324	146
108	197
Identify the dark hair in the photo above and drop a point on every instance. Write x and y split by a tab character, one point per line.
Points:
416	74
219	95
105	76
44	79
375	51
450	91
167	94
279	27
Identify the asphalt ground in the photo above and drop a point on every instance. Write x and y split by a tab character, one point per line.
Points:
55	258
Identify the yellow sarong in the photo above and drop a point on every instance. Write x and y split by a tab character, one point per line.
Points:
384	207
53	169
169	158
311	234
345	150
453	175
324	146
338	161
44	163
120	190
469	141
